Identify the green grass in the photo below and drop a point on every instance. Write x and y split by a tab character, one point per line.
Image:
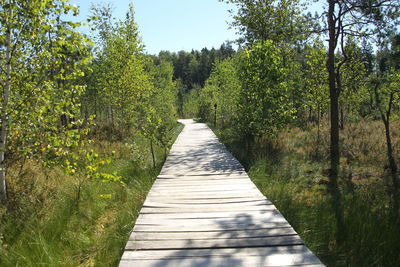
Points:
45	225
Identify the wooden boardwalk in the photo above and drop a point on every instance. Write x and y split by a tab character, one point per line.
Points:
203	210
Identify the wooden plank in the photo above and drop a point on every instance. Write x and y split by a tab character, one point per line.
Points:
235	215
205	187
153	204
182	226
213	189
173	170
137	235
226	183
201	174
203	200
207	209
207	195
222	222
285	251
196	176
205	183
215	243
295	260
212	181
204	180
183	172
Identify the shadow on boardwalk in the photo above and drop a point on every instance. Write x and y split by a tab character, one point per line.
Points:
210	158
237	250
203	210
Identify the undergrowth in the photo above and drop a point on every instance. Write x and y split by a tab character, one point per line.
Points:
292	171
46	224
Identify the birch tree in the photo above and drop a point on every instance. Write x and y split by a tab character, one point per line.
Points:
41	58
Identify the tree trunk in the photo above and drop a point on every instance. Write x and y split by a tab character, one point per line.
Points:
64	120
152	154
112	116
109	114
215	116
334	90
334	105
85	116
392	163
3	189
4	119
393	167
341	118
318	128
249	143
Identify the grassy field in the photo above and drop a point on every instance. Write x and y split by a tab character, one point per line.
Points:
45	224
292	171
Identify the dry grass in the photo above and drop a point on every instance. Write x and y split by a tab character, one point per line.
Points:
292	171
46	224
363	147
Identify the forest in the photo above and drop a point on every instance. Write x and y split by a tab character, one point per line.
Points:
308	103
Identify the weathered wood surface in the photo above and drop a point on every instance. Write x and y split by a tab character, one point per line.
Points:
203	210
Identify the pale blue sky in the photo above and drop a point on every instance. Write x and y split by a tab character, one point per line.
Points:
174	25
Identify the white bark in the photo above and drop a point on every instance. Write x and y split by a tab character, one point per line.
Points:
4	119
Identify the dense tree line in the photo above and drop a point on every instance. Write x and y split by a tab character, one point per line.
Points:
192	69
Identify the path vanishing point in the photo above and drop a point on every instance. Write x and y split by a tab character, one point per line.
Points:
203	210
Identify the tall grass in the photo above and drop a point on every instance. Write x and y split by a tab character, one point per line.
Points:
293	173
44	223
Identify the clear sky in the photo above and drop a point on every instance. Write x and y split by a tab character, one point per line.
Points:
174	25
